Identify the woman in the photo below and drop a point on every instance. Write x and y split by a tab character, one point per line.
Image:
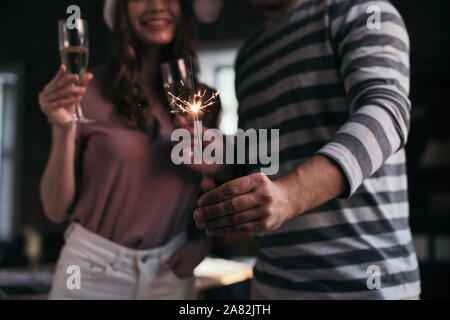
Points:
130	206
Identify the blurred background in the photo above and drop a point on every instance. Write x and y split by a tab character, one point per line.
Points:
29	58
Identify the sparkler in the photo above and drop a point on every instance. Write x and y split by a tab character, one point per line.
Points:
194	106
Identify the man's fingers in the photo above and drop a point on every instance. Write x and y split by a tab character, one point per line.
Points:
234	205
232	220
230	190
249	227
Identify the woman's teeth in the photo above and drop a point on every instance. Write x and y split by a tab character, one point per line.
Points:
156	23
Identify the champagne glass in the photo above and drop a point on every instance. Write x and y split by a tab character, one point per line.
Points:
74	50
177	83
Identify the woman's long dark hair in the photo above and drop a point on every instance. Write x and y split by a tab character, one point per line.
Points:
128	96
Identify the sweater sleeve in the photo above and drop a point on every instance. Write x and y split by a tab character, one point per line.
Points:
374	65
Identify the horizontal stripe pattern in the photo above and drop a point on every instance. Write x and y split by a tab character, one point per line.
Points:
408	289
332	86
370	255
339	216
332	286
333	232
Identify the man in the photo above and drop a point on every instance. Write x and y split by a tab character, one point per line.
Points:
333	224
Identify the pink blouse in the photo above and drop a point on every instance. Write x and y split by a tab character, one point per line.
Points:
128	189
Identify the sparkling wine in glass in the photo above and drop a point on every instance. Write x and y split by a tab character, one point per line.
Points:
177	82
74	51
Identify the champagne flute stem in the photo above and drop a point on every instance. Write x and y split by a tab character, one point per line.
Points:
77	112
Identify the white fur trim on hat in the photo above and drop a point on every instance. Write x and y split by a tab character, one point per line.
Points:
109	11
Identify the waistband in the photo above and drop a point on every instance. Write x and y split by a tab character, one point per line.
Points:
77	235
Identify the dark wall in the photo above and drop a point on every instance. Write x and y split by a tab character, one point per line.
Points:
28	32
428	26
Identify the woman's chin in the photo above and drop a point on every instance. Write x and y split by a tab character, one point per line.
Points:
157	41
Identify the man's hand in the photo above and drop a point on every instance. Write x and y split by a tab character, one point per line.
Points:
250	204
187	258
256	204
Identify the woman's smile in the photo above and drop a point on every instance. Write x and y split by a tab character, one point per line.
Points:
156	23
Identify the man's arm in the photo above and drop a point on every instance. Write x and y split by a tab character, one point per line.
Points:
374	65
375	70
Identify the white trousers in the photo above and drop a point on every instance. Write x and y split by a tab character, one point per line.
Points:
91	267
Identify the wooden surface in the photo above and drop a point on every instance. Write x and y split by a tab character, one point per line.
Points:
211	273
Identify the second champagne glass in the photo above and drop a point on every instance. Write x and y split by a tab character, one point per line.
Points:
74	50
177	82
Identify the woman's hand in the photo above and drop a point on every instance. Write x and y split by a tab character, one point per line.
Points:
187	258
60	96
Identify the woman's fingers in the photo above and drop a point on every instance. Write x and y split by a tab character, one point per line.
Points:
86	79
59	80
66	80
173	260
61	95
65	87
62	103
61	99
64	93
62	87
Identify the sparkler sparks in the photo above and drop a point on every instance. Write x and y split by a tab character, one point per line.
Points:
196	106
184	99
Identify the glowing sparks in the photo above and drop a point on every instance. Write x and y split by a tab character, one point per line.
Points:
196	106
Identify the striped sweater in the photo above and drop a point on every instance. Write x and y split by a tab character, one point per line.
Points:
335	87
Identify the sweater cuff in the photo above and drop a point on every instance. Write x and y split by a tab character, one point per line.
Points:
348	165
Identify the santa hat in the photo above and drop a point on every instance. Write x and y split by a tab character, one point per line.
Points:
109	12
